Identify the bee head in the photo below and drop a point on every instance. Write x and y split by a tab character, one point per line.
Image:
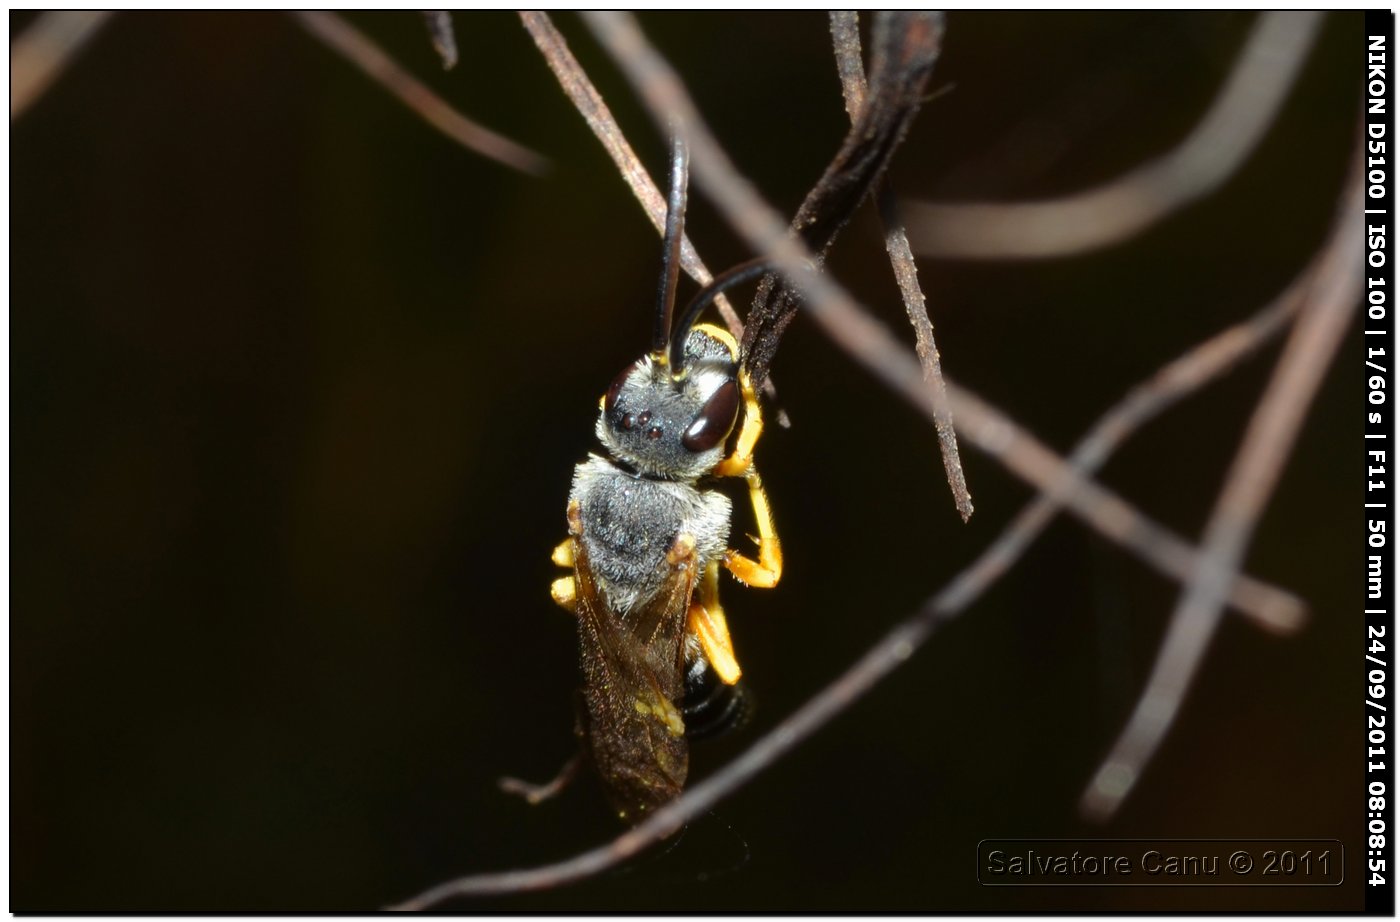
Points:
669	413
673	425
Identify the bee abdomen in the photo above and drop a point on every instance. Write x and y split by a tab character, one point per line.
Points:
710	707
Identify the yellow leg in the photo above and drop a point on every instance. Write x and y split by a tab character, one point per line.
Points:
739	463
768	569
563	554
706	621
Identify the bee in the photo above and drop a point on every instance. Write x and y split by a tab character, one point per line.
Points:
649	535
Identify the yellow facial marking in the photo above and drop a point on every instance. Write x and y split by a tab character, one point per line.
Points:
721	334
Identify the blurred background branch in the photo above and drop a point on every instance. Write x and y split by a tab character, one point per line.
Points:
1227	134
44	50
1333	291
346	40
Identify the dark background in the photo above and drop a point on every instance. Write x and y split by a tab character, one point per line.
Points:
298	384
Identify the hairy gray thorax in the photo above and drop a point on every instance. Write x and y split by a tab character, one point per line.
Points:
630	522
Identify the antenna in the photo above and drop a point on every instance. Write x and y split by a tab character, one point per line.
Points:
671	244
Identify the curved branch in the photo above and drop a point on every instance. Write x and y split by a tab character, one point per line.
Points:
1224	138
341	37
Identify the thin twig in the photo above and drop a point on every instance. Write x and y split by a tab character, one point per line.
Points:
340	36
906	274
1253	475
46	48
1258	84
901	642
441	34
845	40
595	111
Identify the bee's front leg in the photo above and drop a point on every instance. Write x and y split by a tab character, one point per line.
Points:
741	461
768	568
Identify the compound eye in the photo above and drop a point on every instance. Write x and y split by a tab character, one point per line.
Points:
610	399
715	419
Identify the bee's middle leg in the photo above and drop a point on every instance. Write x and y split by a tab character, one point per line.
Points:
764	572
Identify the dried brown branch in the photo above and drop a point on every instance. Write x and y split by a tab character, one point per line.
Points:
904	48
45	50
906	274
1332	298
443	37
867	340
595	111
1260	81
343	38
845	40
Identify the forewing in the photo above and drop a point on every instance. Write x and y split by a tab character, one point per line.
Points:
632	680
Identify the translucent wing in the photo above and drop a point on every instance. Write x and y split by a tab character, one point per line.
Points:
632	671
